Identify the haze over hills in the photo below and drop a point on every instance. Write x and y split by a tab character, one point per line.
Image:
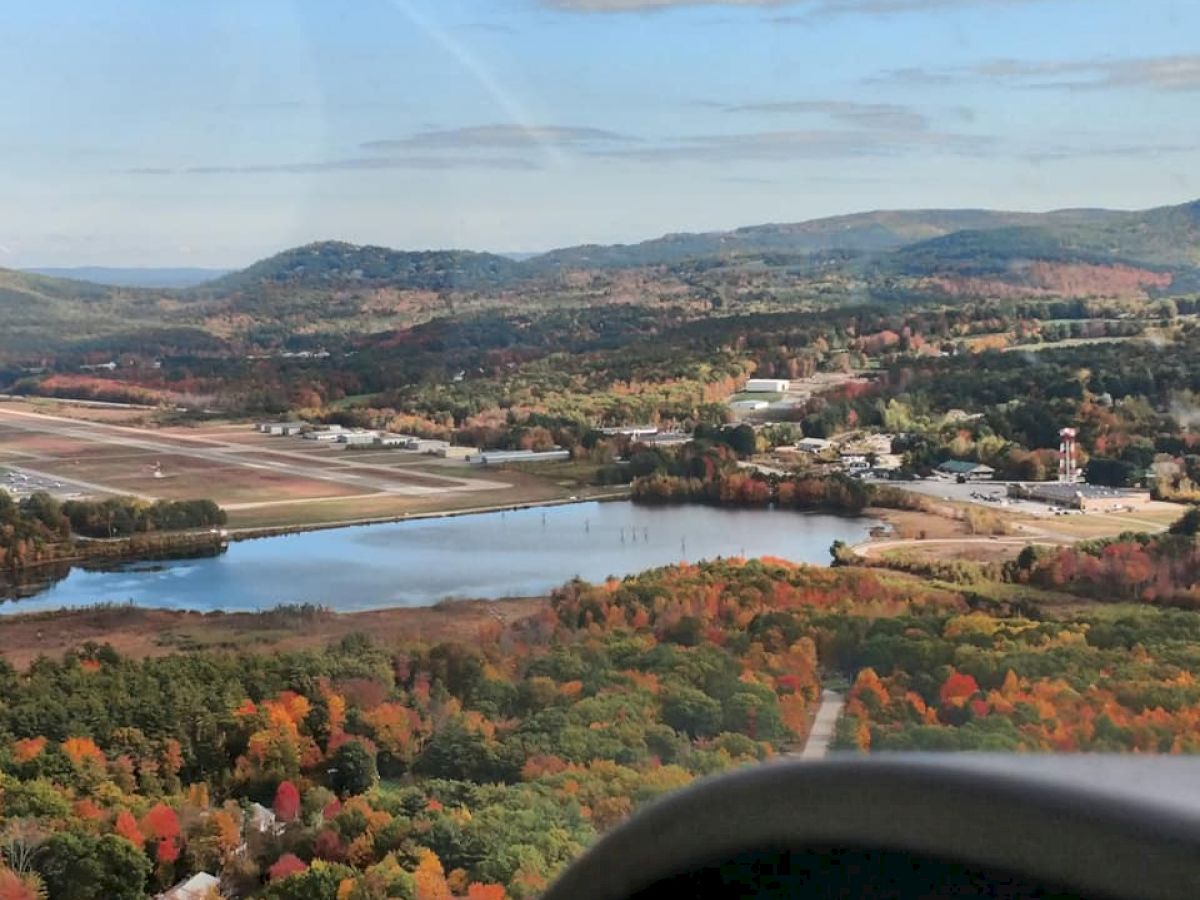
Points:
333	286
137	277
37	311
1162	237
865	232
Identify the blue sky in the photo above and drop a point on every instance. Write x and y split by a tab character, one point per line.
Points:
164	132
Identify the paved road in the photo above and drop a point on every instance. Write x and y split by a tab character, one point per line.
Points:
342	472
824	723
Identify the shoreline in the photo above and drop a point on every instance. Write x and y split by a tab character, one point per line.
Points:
255	532
205	539
33	589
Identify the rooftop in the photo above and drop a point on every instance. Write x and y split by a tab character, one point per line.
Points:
198	887
1067	491
962	467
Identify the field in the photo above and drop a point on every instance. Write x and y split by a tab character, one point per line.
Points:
142	633
941	533
261	481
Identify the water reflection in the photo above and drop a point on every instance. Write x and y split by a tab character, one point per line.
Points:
515	553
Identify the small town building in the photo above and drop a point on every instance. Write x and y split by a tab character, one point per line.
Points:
280	428
961	470
427	445
864	443
813	445
387	439
328	433
199	887
665	439
767	386
887	464
854	462
358	438
263	820
638	432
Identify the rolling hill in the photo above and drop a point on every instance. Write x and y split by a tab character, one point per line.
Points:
870	232
334	286
1168	236
334	263
1165	237
39	313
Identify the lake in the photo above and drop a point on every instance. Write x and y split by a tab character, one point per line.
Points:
417	563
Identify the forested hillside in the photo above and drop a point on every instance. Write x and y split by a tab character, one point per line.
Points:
334	263
328	290
481	769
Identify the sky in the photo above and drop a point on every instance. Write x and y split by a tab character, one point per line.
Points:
170	133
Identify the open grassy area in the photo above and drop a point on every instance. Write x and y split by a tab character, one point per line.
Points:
261	481
140	632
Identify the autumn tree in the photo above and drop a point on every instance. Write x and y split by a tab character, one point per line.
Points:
354	770
126	826
287	801
287	865
84	867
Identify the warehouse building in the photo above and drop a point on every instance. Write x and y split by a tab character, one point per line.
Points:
280	428
358	438
767	386
330	434
1085	497
388	439
500	457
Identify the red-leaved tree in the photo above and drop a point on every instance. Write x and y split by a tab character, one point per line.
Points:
287	801
288	864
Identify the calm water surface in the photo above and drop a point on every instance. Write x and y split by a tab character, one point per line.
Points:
516	553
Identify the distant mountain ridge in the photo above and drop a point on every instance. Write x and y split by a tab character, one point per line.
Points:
1165	237
966	251
133	277
870	232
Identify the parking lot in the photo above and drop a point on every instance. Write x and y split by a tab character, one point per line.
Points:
20	483
991	494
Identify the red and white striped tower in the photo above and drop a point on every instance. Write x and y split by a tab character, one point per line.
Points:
1067	460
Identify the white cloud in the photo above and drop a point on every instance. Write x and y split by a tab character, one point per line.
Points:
782	146
881	116
807	9
486	137
366	163
1161	73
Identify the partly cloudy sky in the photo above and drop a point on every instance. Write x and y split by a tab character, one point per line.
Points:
161	132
